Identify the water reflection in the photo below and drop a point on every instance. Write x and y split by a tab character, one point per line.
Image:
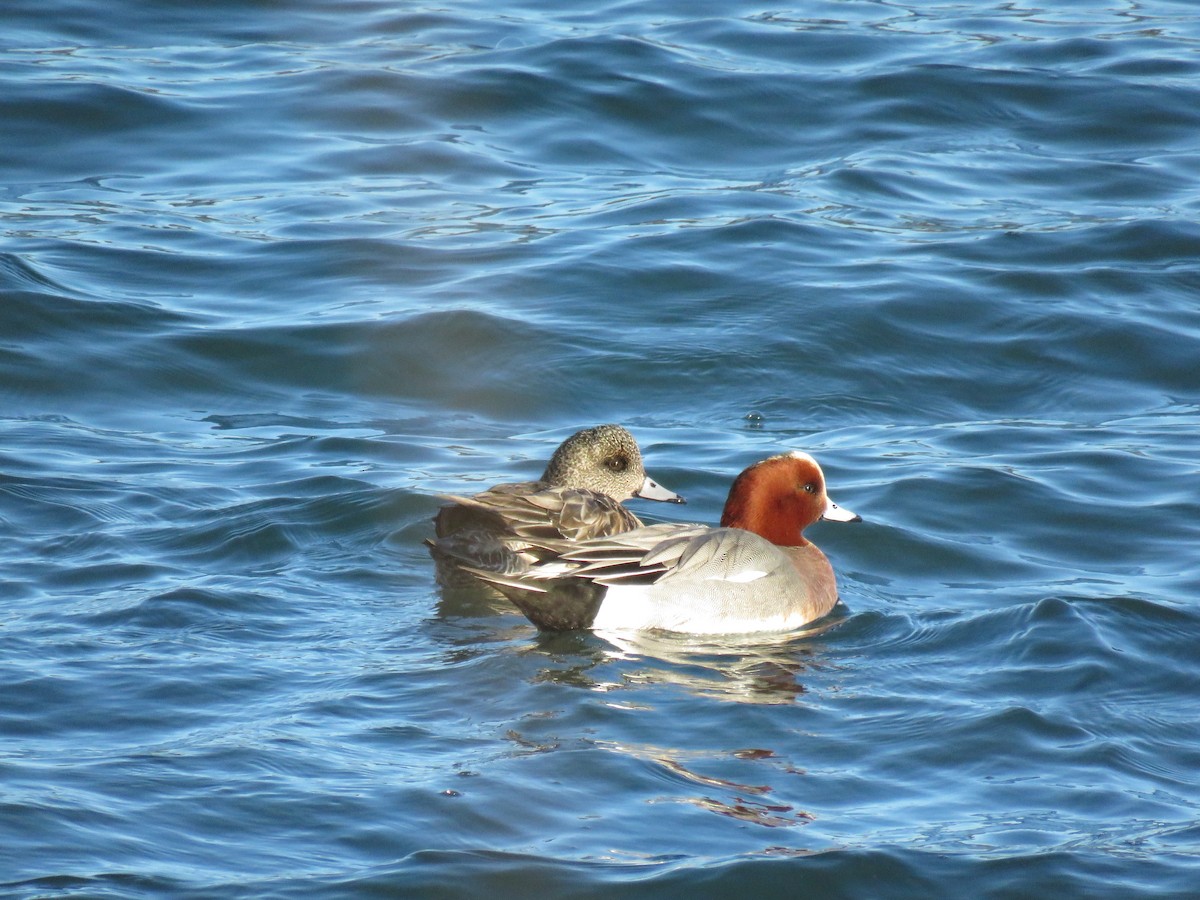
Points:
746	802
475	601
748	669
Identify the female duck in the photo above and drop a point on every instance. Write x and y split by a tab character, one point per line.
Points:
507	527
755	573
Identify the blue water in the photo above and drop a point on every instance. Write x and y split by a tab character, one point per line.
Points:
274	276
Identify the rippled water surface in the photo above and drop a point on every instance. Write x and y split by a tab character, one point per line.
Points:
274	276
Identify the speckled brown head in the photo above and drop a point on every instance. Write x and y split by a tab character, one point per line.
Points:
605	459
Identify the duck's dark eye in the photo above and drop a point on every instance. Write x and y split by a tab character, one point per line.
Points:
618	463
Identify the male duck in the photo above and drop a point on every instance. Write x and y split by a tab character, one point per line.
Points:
756	573
505	528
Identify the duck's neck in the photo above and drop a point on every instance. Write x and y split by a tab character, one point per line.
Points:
767	513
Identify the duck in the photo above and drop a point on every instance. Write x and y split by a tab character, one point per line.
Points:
756	572
580	496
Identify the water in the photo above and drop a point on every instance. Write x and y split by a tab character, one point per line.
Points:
272	277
